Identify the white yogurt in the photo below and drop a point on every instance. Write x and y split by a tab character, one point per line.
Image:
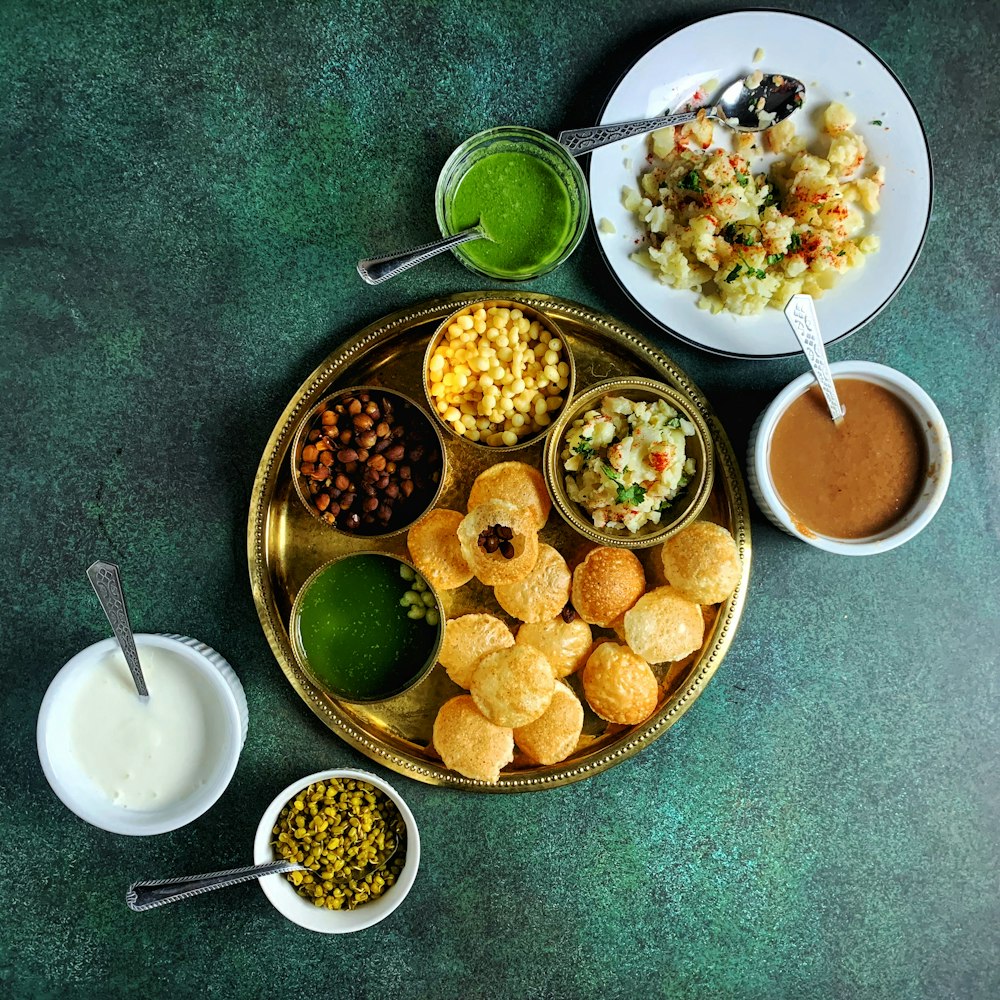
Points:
145	754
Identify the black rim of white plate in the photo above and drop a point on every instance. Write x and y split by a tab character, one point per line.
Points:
930	178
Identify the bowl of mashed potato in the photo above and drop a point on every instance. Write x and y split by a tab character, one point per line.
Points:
629	462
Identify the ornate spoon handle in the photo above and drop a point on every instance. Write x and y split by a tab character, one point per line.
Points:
158	892
582	140
801	315
105	580
375	270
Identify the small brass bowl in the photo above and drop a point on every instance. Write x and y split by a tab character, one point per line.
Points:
382	694
532	315
406	513
687	506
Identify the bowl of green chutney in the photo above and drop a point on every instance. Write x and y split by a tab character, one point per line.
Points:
366	627
526	191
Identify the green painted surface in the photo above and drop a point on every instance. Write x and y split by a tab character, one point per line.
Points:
184	190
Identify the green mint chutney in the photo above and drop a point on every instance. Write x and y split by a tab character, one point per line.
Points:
524	207
357	639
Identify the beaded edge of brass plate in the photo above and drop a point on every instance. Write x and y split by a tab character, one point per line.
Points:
724	627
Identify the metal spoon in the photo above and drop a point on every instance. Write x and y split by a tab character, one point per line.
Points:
375	270
107	584
150	894
801	315
742	108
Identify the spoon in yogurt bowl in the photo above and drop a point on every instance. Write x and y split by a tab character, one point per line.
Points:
106	581
751	104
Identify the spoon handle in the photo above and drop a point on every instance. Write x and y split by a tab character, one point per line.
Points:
801	315
158	892
582	140
107	584
375	270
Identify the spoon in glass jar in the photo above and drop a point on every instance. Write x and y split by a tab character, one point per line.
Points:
747	105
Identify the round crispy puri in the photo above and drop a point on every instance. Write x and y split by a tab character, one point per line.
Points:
517	483
469	743
512	687
492	567
606	584
554	735
435	549
542	594
467	640
619	686
702	562
663	625
566	645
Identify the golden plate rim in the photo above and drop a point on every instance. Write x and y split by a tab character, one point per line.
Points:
728	476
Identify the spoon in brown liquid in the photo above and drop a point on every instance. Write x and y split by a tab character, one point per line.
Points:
801	315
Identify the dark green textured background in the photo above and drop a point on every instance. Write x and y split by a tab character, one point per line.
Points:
184	190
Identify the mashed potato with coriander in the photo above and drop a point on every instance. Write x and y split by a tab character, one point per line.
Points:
626	461
747	241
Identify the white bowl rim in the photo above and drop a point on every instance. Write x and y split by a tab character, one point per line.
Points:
297	909
138	824
937	438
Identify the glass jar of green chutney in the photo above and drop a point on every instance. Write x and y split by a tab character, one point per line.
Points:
526	191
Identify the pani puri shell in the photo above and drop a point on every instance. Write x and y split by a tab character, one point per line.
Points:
542	594
517	483
619	685
663	625
435	549
467	640
469	743
554	735
493	568
512	687
606	584
566	645
702	562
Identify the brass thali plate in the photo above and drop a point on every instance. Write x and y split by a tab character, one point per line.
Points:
285	543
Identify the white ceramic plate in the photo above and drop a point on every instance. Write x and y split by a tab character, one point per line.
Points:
833	66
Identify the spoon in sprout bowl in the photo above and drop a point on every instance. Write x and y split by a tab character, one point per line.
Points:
749	105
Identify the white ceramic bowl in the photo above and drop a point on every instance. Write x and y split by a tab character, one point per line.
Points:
938	446
297	908
224	700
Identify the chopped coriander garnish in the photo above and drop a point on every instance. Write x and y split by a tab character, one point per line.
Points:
691	182
583	447
742	179
840	253
610	473
795	242
632	495
733	274
876	121
674	422
773	258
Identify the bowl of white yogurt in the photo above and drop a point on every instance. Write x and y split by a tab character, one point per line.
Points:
141	766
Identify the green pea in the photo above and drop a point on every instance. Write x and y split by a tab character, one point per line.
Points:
406	572
432	617
429	600
419	585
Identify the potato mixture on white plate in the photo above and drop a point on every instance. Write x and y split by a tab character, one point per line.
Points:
626	461
746	241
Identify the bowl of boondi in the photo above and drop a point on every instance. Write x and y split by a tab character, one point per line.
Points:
498	373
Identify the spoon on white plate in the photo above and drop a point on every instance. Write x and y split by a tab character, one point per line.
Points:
801	315
747	105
